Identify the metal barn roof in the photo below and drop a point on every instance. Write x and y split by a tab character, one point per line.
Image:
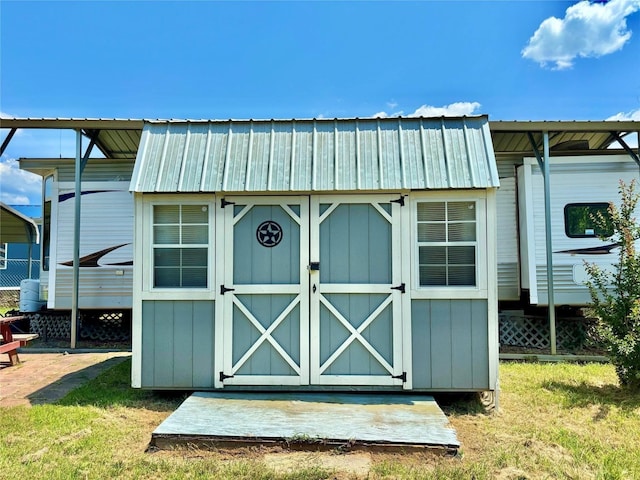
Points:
17	227
315	155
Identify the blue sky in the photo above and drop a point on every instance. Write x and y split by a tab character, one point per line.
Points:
512	60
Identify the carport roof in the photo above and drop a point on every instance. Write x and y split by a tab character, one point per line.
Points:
119	138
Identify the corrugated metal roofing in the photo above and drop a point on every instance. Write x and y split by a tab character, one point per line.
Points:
315	155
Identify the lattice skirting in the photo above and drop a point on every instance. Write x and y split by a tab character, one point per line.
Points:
519	330
97	326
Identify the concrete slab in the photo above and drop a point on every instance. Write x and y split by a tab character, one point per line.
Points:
344	419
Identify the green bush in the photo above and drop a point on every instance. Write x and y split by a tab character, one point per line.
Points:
615	294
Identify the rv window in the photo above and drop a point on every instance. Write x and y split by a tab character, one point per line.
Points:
180	246
3	256
447	243
579	220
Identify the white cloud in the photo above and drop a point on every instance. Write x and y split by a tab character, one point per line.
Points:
456	109
632	115
587	30
18	187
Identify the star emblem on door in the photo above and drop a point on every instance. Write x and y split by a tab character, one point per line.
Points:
269	234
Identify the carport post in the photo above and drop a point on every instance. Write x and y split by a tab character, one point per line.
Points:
76	240
547	224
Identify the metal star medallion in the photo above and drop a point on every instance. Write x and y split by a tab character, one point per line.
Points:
269	234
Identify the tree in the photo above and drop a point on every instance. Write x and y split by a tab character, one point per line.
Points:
615	294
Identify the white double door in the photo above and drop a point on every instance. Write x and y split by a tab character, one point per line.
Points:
312	291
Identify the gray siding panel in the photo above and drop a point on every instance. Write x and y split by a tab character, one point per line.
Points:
177	344
203	336
182	344
462	356
441	348
163	342
479	344
450	344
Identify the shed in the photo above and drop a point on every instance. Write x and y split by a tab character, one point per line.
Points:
18	234
353	254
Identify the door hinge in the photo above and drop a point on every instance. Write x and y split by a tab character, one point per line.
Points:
402	376
224	289
400	287
224	202
223	377
399	201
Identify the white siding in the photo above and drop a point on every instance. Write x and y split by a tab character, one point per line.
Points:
575	180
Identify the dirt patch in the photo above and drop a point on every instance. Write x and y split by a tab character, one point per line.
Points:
357	464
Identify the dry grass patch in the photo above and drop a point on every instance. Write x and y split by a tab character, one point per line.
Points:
556	421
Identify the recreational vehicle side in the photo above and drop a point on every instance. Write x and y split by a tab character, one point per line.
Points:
106	232
580	187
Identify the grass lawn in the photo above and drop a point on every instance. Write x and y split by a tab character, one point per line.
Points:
556	421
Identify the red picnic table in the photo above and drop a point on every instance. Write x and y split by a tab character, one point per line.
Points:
9	341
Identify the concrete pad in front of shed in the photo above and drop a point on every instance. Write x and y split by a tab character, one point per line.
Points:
308	418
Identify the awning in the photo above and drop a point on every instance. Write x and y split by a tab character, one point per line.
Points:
315	155
16	227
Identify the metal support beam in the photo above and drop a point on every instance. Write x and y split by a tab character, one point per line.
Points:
5	144
547	224
543	163
627	148
85	157
76	240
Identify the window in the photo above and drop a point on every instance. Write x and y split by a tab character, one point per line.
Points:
3	256
447	243
579	220
180	246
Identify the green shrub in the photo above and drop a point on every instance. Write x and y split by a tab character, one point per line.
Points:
615	294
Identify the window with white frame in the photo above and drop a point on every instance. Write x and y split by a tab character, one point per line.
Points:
447	243
180	246
3	256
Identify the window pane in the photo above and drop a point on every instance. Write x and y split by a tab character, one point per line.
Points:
462	275
462	232
195	234
166	214
192	257
462	255
166	257
579	220
461	211
195	214
166	234
194	277
431	232
166	277
3	256
433	275
433	255
431	211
